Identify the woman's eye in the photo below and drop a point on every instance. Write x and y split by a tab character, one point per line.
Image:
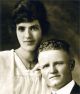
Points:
35	28
21	28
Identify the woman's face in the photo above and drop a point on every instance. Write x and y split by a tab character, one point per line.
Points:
29	35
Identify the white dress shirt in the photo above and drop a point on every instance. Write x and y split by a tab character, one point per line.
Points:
66	89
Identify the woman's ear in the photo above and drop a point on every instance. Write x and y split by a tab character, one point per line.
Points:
72	64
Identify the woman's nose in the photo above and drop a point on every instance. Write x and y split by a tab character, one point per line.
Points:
27	33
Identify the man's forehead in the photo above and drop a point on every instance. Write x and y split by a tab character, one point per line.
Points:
52	55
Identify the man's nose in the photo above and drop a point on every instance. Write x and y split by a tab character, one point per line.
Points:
53	69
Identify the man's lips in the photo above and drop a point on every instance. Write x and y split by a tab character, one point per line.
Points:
54	76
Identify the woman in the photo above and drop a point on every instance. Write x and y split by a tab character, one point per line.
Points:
30	23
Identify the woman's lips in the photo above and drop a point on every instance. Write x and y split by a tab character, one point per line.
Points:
29	41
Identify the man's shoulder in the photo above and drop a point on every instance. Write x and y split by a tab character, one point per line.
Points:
76	89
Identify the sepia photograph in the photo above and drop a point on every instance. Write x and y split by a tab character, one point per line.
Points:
39	46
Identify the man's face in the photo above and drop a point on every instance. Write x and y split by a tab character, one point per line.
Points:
29	35
55	68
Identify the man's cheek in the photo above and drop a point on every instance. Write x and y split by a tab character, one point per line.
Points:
43	74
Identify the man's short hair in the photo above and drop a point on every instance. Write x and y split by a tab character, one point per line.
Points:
55	44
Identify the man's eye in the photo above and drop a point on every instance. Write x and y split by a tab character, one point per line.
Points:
45	66
21	28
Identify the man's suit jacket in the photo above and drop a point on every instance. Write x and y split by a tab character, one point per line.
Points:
76	89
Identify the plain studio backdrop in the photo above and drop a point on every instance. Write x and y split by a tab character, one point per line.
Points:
64	18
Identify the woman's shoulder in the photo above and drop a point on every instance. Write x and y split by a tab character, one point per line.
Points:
6	64
6	55
6	52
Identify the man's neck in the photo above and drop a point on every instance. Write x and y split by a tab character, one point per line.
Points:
57	87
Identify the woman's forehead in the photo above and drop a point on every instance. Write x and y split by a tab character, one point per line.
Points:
35	22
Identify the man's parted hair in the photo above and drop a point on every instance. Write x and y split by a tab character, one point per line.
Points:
55	44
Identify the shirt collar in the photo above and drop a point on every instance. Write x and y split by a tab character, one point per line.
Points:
22	69
66	89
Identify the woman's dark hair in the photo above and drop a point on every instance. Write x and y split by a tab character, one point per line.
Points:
29	10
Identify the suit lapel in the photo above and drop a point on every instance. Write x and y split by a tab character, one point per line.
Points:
76	89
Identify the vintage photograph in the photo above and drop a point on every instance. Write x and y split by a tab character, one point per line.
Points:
39	47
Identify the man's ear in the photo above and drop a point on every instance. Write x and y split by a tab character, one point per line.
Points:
72	64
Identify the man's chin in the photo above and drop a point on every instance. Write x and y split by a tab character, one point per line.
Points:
53	83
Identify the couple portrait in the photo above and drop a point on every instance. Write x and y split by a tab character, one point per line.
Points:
39	47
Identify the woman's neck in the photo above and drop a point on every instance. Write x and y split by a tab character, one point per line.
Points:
28	58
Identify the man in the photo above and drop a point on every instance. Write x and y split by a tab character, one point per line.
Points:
56	63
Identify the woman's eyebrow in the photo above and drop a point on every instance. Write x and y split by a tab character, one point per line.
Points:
35	25
21	27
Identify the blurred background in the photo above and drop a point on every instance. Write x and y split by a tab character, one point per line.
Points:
64	18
